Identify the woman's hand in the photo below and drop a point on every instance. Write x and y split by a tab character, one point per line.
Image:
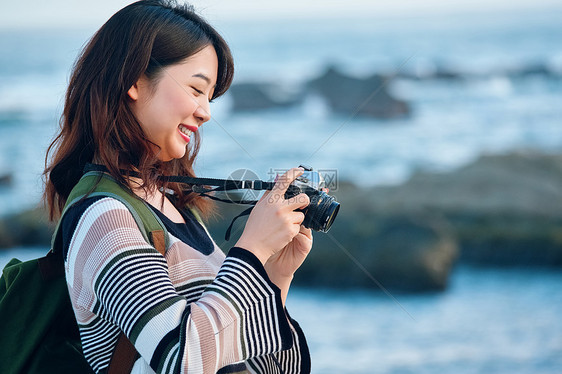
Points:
275	226
284	263
281	266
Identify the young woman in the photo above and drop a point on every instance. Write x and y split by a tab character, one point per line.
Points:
137	96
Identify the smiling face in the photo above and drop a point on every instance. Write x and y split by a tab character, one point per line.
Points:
177	104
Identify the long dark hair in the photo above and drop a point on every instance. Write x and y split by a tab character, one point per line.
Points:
142	38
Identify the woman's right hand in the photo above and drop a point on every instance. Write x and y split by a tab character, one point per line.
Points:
273	222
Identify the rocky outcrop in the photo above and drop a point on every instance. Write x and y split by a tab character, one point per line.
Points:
29	228
368	97
398	252
429	71
504	210
258	96
6	179
346	95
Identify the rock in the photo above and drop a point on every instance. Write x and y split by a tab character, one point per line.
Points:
258	96
367	97
538	69
429	71
6	179
504	210
439	73
392	252
29	228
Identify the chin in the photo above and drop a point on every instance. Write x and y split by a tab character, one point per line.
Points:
175	155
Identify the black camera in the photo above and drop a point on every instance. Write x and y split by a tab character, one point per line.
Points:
323	208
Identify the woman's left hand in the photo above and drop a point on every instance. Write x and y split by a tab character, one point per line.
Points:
282	265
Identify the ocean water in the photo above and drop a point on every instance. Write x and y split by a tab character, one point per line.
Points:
488	321
493	321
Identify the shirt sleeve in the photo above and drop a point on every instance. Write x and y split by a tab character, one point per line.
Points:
295	360
114	274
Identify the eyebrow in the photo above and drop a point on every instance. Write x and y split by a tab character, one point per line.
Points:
204	77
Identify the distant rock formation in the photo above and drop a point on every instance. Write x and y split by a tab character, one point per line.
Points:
426	71
6	179
28	228
259	96
367	97
504	210
364	249
344	94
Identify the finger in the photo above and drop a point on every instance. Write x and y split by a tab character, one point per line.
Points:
306	232
296	230
265	195
300	201
298	217
284	181
270	198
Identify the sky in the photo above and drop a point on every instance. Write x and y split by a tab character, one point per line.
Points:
81	13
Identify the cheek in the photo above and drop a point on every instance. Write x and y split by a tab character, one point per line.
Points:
182	109
163	115
180	104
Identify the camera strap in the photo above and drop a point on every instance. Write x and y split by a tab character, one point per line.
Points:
201	186
245	212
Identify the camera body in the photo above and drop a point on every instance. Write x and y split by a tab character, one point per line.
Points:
323	208
309	179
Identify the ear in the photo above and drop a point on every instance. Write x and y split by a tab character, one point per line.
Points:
134	91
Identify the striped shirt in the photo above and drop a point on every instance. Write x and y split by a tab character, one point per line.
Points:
193	311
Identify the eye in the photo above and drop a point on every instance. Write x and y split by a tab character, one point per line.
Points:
199	92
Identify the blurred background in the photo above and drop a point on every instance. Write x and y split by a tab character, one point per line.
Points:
438	126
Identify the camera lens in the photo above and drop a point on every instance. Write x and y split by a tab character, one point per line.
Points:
321	212
331	214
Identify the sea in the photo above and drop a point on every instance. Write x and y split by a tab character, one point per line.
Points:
506	97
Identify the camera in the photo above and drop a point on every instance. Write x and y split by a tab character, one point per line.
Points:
323	208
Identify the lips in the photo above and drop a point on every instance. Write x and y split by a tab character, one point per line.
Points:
186	130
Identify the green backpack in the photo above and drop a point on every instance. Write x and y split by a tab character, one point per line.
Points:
38	330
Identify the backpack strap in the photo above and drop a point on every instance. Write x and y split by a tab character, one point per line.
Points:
95	183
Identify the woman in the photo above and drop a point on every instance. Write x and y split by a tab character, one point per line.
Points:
137	96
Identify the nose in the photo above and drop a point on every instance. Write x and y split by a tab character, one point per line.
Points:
203	111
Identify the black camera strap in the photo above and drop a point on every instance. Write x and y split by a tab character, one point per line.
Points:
201	186
245	212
